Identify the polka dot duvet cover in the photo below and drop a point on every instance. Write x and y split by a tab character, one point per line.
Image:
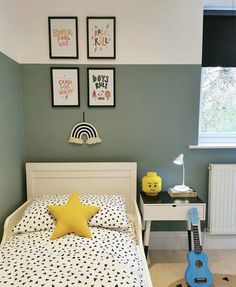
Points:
109	259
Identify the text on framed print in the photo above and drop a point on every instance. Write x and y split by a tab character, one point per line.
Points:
101	37
101	87
65	87
63	37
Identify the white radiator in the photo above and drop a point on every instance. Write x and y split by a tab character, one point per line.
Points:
222	199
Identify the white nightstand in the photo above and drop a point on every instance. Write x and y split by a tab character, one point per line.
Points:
163	207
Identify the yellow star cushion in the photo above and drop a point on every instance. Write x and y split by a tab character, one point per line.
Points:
72	217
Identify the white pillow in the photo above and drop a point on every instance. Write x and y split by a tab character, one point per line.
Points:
112	212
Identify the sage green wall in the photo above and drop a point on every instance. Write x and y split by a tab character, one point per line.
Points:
155	118
11	138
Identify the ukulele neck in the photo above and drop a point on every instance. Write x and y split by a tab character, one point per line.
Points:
197	245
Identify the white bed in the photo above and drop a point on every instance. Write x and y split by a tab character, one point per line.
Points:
87	178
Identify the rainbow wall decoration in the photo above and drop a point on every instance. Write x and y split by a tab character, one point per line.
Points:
81	129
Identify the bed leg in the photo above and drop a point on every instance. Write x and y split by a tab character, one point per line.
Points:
143	228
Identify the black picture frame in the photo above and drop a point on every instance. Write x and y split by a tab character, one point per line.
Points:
101	92
58	39
108	42
69	83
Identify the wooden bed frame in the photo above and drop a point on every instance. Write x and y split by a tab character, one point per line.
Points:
87	178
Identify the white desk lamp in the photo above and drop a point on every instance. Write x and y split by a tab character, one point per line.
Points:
180	161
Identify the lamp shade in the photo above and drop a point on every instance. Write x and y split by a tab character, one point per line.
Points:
179	160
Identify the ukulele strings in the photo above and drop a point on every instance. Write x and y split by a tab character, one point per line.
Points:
197	247
196	240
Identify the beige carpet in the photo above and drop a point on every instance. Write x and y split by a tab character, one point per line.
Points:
220	280
168	267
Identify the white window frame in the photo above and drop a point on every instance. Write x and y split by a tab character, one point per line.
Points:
219	4
216	138
208	140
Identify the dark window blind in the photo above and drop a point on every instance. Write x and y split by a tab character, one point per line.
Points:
219	39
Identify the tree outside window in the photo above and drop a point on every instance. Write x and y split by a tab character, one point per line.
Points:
218	105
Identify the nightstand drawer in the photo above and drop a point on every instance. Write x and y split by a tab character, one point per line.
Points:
170	212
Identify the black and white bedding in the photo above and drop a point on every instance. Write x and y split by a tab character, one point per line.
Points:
109	259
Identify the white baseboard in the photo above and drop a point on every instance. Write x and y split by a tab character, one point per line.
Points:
174	240
219	241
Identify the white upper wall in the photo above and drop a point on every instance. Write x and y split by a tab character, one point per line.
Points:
8	30
148	31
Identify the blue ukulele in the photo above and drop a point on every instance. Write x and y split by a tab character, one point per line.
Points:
197	273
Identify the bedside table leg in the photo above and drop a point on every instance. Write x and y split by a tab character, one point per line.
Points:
147	236
143	228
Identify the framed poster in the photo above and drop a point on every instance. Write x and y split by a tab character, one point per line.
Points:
63	37
65	87
101	38
101	87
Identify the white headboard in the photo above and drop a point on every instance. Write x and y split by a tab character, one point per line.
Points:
117	178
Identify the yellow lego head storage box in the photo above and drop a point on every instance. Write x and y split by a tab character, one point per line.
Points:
151	183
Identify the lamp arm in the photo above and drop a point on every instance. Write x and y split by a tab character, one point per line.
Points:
183	174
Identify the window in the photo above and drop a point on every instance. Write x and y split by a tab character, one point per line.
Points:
218	106
217	118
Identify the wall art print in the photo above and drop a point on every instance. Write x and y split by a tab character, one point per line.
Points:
65	87
101	87
101	38
63	37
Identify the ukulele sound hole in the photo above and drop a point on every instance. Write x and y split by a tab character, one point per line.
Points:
198	263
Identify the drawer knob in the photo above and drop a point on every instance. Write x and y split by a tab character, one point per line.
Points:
174	205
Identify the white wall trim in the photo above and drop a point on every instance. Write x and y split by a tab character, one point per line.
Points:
175	240
219	241
219	4
212	146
